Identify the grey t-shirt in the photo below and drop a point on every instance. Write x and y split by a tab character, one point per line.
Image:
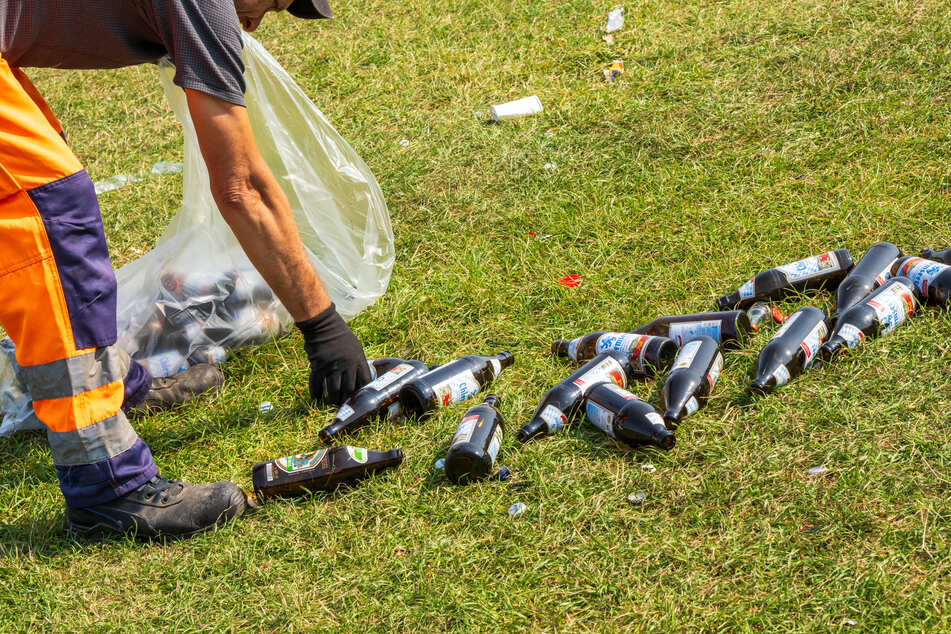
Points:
202	37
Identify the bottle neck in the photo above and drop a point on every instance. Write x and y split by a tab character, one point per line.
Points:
492	400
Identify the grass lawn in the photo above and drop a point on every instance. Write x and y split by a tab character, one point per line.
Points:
742	135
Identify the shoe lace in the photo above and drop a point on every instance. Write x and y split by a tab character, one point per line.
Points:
159	487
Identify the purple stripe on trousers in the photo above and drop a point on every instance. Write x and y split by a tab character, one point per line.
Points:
91	484
137	383
70	213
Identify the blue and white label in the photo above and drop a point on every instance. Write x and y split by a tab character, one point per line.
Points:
382	381
496	444
715	368
688	330
851	335
686	355
892	306
922	273
456	389
465	429
600	417
692	406
573	349
782	376
344	413
554	418
810	267
810	345
656	419
607	370
748	290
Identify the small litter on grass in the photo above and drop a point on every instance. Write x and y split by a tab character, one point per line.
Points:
648	468
778	315
614	70
550	167
636	499
608	38
115	182
515	109
615	20
502	474
570	281
549	134
535	235
817	470
167	167
517	509
440	464
404	142
266	408
850	623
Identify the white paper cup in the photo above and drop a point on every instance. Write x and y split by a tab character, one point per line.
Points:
516	109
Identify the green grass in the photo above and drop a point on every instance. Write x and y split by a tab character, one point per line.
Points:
742	135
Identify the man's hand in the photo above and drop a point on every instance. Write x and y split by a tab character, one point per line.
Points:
338	366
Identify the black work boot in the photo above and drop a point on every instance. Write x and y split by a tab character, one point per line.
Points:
179	388
160	508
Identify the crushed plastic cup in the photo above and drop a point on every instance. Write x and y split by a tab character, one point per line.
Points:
502	474
648	468
614	70
636	499
167	167
266	408
114	182
517	509
515	109
404	142
819	470
615	20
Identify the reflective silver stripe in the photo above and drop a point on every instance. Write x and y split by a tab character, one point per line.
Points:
69	377
93	443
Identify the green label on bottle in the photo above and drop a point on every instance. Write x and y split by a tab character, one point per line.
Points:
358	453
300	462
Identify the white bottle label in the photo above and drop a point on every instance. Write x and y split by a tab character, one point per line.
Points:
782	375
810	267
345	412
608	370
358	454
496	443
600	418
787	325
852	335
689	329
465	429
620	391
630	345
892	306
554	418
455	389
922	273
715	370
573	349
810	345
382	381
748	290
496	367
656	419
885	275
692	405
686	355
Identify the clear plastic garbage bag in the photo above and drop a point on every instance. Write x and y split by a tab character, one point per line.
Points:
195	296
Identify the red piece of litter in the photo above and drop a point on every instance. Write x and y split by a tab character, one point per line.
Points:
532	233
778	315
570	281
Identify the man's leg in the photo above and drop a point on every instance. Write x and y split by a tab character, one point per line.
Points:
58	303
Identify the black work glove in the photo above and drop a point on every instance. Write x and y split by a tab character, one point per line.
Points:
338	367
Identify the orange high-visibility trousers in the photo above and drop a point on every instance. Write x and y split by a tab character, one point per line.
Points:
58	302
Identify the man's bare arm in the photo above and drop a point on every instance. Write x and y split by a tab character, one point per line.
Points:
253	204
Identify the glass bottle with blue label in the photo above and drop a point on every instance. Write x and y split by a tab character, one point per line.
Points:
792	350
692	378
475	445
938	256
376	399
931	279
650	355
322	470
888	307
872	271
453	382
562	403
626	418
730	328
826	269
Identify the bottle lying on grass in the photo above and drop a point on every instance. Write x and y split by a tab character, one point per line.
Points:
322	470
888	307
375	400
872	271
476	443
730	328
451	383
792	350
938	256
932	280
626	418
813	272
649	355
691	380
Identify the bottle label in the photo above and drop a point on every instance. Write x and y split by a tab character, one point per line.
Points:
358	454
748	290
787	325
852	335
715	370
782	375
600	417
619	342
554	418
573	349
885	275
656	419
689	329
810	267
892	307
464	432
455	389
386	379
810	345
345	412
686	355
300	462
692	405
496	444
606	371
922	273
620	391
496	367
